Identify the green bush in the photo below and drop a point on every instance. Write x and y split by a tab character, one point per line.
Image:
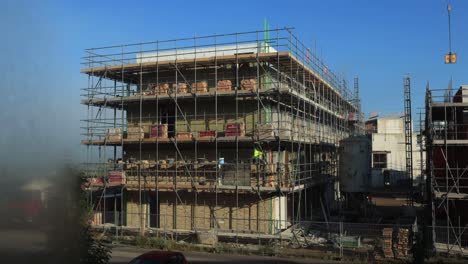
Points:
222	248
267	250
158	242
141	241
70	236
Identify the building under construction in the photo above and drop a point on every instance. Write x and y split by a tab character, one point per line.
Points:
447	165
234	132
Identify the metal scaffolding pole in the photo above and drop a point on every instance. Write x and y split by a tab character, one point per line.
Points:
306	95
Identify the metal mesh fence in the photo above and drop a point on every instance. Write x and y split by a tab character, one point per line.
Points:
363	240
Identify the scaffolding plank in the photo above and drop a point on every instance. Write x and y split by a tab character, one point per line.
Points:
450	142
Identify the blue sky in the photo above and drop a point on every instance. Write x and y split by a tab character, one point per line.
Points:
379	41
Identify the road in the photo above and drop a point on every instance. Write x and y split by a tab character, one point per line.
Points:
122	255
22	245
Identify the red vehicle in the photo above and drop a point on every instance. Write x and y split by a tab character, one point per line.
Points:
160	257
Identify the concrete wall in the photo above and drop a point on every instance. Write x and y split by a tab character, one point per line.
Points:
390	125
391	138
355	164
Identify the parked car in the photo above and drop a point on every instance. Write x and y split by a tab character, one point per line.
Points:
160	257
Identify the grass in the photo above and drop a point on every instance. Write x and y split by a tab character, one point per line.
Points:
228	248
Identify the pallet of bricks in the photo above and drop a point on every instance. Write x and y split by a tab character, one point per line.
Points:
224	85
114	134
207	135
387	245
184	135
265	131
159	131
180	88
402	243
135	133
150	90
235	130
158	88
248	84
200	87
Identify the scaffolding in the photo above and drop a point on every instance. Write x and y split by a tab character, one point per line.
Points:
408	137
172	127
446	123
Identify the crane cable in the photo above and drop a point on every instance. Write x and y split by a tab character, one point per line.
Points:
449	8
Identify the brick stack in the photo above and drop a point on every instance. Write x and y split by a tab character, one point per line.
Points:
114	134
158	131
150	89
235	130
116	178
402	246
265	131
200	87
184	135
135	133
210	134
248	84
180	88
162	88
157	89
388	242
224	85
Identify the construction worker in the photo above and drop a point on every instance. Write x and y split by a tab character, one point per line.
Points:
221	170
258	160
258	154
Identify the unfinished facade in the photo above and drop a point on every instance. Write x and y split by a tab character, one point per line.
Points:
234	132
446	134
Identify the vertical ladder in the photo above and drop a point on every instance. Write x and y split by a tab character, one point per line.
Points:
408	138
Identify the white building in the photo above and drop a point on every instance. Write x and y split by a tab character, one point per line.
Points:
389	152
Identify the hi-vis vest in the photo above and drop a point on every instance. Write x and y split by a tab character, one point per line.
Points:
257	153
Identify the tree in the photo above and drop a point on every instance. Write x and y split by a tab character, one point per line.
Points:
71	239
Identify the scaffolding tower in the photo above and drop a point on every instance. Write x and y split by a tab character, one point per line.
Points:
236	133
408	138
446	123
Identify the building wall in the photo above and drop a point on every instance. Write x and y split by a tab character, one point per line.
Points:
250	215
132	214
391	139
390	125
245	213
